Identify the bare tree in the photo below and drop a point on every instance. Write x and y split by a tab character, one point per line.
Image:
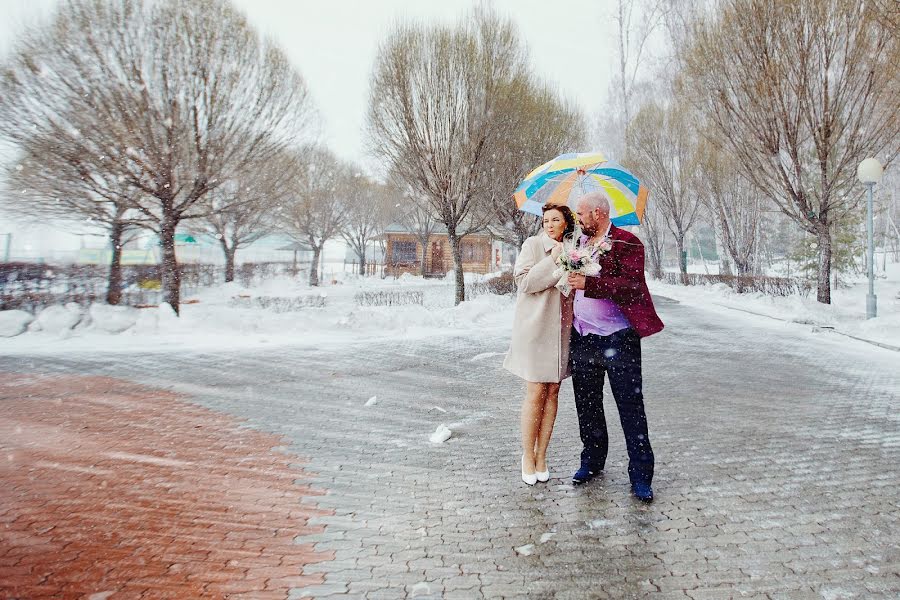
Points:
654	238
734	204
245	208
169	98
40	186
637	22
416	215
317	207
664	151
433	118
800	91
368	213
538	126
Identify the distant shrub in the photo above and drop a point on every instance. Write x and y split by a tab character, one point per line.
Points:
770	286
280	304
389	298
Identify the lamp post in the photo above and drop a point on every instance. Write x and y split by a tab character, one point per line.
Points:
869	173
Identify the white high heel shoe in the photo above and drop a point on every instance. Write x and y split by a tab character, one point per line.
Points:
543	476
529	478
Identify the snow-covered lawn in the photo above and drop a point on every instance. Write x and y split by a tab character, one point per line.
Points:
846	313
230	317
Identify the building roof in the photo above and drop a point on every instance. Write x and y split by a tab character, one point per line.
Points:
439	229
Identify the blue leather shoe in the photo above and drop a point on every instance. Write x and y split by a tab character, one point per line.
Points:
642	491
585	474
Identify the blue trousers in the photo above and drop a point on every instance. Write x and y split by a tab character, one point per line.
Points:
619	356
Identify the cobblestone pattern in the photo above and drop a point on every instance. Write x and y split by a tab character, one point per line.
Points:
110	490
778	458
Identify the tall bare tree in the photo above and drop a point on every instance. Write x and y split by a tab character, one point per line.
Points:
40	186
369	210
538	126
416	215
801	91
317	207
433	118
167	97
664	151
245	207
734	204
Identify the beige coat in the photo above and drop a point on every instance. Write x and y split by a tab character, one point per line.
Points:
539	350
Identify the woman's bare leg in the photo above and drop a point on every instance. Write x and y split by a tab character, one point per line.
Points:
548	418
532	414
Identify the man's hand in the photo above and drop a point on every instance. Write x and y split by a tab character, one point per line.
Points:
576	281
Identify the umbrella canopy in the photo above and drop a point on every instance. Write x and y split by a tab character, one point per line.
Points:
568	177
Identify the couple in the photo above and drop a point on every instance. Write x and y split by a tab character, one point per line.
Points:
594	331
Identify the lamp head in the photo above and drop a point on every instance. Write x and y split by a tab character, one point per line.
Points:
869	171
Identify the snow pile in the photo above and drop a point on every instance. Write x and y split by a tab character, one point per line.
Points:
14	322
113	319
57	320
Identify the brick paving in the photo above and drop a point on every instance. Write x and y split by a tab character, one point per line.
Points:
778	462
113	490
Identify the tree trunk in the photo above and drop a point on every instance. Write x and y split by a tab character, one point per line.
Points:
823	293
361	255
456	248
423	264
314	267
229	260
171	278
114	284
682	258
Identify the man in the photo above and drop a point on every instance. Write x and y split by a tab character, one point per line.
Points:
613	311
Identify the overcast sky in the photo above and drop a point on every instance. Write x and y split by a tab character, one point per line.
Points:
333	44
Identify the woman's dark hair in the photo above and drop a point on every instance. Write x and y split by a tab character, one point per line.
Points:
567	214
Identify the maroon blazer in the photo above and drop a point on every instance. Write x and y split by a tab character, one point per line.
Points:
621	280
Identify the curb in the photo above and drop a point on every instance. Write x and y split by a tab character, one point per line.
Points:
824	327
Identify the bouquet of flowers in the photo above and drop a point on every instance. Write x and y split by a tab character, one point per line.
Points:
578	258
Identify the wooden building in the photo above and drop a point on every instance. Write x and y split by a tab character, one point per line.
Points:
404	253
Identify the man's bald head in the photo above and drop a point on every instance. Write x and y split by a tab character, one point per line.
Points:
594	200
593	212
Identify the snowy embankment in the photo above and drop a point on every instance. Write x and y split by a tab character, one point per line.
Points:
846	314
283	312
277	312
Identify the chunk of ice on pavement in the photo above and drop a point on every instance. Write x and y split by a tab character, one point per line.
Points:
484	355
546	537
441	434
438	408
526	550
599	523
420	589
371	401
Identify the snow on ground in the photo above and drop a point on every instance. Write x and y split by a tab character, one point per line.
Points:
230	317
846	314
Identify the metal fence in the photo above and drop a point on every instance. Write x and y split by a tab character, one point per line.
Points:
31	287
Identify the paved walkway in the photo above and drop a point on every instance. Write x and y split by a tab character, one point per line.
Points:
778	461
112	490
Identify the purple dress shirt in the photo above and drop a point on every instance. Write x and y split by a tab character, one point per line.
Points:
597	316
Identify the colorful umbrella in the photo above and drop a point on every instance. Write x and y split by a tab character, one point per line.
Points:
568	177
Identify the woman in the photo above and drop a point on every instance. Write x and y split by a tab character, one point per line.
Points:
539	351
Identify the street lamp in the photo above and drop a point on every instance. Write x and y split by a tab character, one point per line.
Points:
869	173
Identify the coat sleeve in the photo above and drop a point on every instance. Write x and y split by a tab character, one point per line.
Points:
624	284
534	273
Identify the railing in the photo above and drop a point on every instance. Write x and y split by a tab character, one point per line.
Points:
31	287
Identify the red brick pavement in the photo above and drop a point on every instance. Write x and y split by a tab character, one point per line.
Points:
113	490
